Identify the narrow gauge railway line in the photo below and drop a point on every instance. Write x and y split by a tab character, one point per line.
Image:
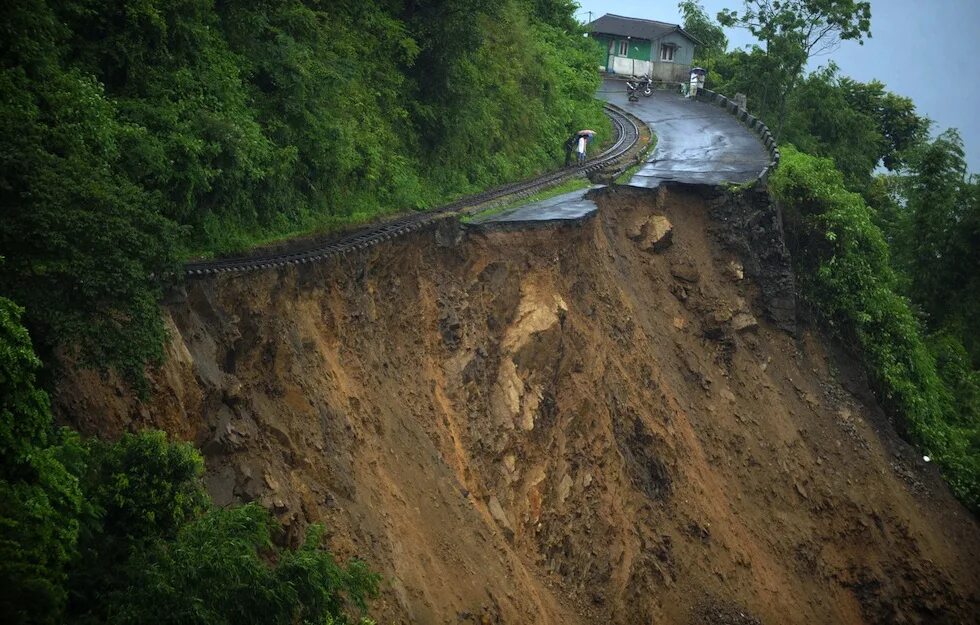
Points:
627	135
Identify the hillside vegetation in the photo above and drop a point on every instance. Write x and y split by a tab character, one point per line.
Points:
136	133
124	532
888	261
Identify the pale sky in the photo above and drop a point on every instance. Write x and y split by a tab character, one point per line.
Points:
926	50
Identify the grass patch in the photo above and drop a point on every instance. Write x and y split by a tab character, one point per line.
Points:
566	187
228	240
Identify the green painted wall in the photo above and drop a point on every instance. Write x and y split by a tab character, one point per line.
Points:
639	49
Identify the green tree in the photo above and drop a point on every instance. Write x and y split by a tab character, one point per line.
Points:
861	126
794	31
40	498
844	273
712	41
940	201
901	127
217	571
816	27
156	550
85	247
822	121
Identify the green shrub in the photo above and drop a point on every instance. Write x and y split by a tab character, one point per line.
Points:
845	276
96	532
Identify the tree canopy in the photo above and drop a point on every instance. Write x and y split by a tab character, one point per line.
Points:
711	38
136	133
124	532
815	26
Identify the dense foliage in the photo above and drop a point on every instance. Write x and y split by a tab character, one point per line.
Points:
95	532
890	262
134	132
794	31
711	38
40	499
845	275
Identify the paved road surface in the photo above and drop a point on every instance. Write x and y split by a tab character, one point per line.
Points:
566	206
696	143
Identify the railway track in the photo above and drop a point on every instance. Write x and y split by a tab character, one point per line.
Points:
627	136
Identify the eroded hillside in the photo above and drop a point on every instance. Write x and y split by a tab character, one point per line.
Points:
560	425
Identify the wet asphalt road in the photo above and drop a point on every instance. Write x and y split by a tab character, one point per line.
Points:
696	143
567	206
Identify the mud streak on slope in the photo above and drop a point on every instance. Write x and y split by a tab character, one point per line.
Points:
558	426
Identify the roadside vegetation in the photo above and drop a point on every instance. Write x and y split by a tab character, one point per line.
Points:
137	134
882	218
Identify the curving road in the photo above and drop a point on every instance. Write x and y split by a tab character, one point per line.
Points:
696	142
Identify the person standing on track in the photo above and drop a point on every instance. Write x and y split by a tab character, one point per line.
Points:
574	144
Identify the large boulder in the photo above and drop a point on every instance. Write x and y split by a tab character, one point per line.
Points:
653	234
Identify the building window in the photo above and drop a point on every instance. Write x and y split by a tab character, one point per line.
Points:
667	53
624	48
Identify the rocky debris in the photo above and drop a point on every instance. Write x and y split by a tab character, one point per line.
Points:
744	321
270	481
655	234
564	488
221	485
640	449
450	329
498	514
750	224
735	270
712	611
684	269
448	233
229	432
678	291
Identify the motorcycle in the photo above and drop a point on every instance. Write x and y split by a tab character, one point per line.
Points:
635	86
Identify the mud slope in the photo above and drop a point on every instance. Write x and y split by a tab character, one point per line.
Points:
558	426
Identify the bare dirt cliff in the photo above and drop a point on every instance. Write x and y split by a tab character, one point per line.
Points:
568	424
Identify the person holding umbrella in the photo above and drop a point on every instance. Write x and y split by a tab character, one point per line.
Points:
578	143
697	81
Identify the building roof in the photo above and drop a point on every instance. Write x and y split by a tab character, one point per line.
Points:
622	26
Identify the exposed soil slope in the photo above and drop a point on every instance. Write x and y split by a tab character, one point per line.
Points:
558	426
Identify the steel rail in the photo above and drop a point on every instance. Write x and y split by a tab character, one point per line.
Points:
627	136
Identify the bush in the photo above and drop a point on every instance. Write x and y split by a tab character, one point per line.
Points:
95	532
845	276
